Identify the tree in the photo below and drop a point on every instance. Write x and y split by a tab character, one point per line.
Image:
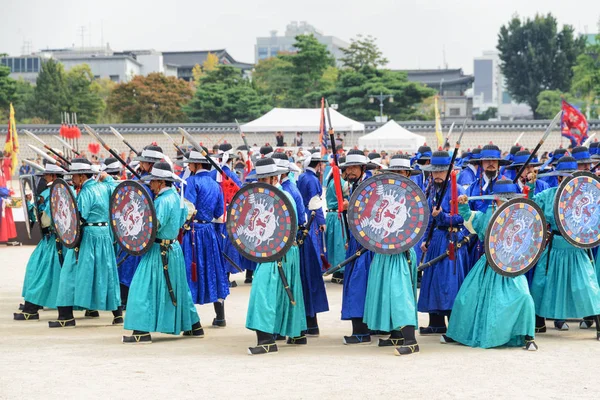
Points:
50	94
83	96
8	87
104	87
586	78
155	98
354	87
309	64
272	77
491	112
535	57
363	52
550	103
224	95
210	64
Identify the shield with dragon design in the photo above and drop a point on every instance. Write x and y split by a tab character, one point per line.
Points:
65	215
388	213
30	206
133	218
261	222
515	237
577	209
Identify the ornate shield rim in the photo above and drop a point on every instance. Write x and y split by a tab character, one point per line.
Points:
488	230
23	180
78	234
138	186
367	182
561	229
294	223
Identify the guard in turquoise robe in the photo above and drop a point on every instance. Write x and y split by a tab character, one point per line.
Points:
336	236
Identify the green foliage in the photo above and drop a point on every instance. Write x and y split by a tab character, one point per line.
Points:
586	79
491	112
535	56
23	100
83	96
550	101
354	87
224	95
50	94
155	98
8	87
363	52
273	78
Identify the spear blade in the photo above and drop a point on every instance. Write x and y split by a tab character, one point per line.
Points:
31	135
66	144
42	154
34	165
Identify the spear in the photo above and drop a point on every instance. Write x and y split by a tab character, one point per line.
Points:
111	151
120	137
519	138
50	149
35	166
42	154
174	143
588	140
537	147
66	144
449	133
200	150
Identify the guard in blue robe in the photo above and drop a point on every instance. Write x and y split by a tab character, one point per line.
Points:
548	166
441	282
89	277
206	273
42	274
270	312
423	179
556	294
491	310
151	307
313	286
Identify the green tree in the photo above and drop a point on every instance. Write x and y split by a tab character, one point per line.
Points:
491	112
354	87
273	78
550	102
363	52
309	64
535	56
224	95
586	78
104	87
23	100
83	96
50	94
8	87
150	99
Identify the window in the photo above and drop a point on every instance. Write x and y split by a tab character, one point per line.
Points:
506	99
36	65
274	51
29	64
263	52
114	78
454	112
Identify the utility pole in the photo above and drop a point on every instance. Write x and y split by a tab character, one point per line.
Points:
381	97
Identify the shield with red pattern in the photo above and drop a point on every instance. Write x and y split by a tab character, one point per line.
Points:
515	237
261	222
133	217
65	215
577	209
388	213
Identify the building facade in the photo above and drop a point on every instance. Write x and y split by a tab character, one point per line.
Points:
185	61
270	46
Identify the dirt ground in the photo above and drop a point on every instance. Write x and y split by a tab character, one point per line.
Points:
91	362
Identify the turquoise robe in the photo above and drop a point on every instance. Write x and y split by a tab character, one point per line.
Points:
91	280
336	239
149	305
42	274
565	284
269	308
391	300
490	310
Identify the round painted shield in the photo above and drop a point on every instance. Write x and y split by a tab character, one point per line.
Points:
261	222
133	217
65	215
388	213
515	237
27	184
577	209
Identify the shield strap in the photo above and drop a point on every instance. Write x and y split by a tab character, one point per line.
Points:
165	247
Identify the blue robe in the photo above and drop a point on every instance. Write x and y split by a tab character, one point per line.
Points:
490	310
441	282
42	274
466	177
91	281
564	284
476	247
149	307
392	292
313	286
201	243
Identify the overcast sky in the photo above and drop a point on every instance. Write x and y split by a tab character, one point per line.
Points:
411	34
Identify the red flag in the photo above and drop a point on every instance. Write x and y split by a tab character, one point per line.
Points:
573	120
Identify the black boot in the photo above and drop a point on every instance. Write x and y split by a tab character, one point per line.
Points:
91	314
65	318
530	344
587	322
30	313
540	324
219	321
249	274
124	295
395	339
597	318
138	337
197	331
437	325
338	277
312	326
360	333
265	344
118	316
410	345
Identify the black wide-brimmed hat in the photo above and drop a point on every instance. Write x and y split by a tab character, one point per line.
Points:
401	162
111	166
195	157
283	161
266	167
440	161
82	166
355	157
161	171
565	166
520	158
266	150
507	189
582	155
150	154
491	152
50	168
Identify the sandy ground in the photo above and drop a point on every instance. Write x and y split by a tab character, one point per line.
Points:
90	361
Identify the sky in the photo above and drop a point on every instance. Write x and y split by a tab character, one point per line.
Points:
413	34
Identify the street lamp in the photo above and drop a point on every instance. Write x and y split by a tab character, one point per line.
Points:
381	97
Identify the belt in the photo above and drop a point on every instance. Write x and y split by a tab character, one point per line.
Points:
449	229
46	231
199	221
165	242
556	233
332	210
95	224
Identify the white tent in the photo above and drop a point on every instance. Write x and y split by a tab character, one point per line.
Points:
300	120
391	137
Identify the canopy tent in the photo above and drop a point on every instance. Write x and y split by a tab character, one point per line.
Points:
391	137
300	120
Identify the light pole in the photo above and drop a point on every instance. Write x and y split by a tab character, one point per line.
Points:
381	97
